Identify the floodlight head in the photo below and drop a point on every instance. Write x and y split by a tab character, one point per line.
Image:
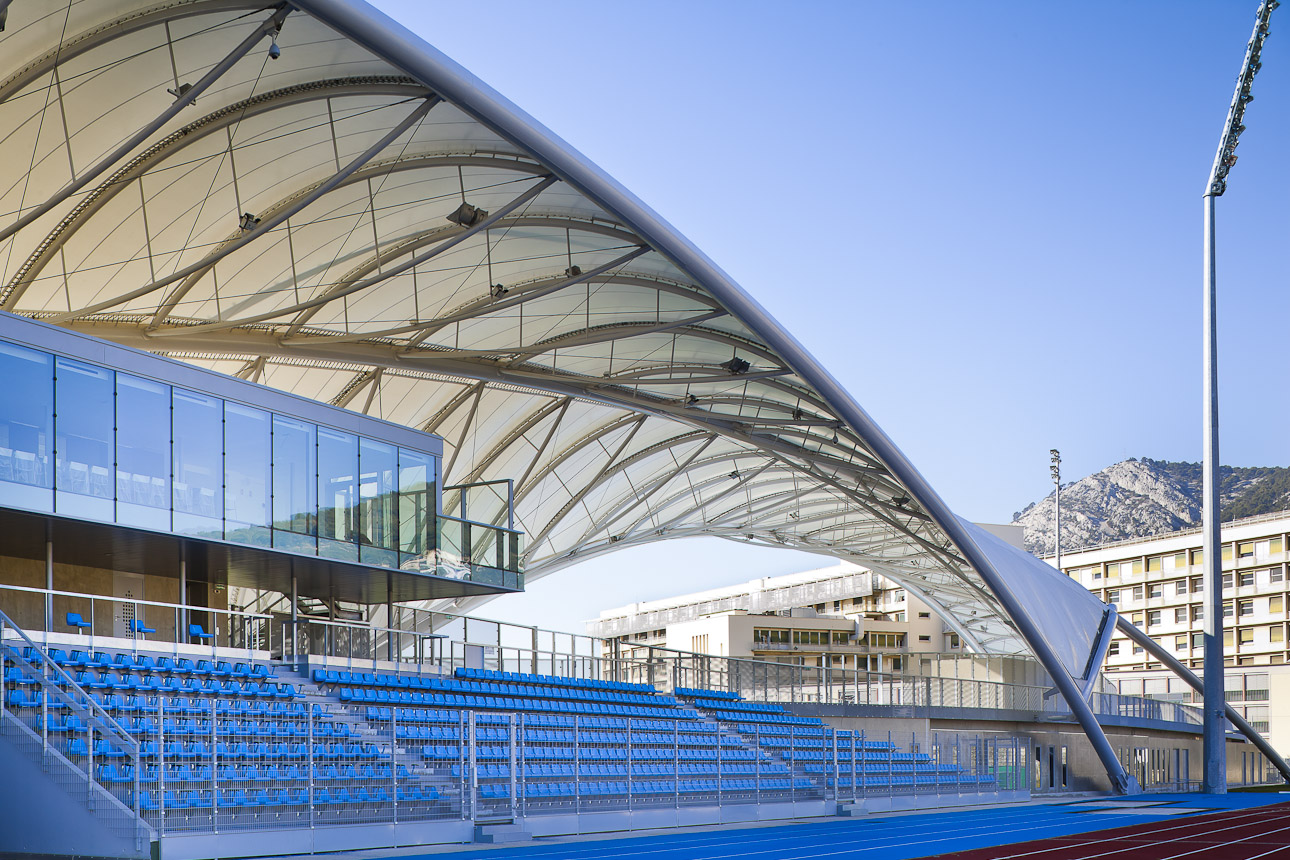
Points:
249	222
4	18
573	271
467	215
690	399
497	291
737	365
900	501
274	50
180	91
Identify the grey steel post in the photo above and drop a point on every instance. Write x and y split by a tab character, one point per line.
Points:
1056	469
1215	777
1154	648
49	584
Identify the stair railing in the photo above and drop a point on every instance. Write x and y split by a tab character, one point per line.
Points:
59	692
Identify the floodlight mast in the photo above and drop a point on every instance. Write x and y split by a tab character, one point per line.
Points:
1215	721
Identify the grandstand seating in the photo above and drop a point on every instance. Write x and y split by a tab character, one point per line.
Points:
230	744
841	759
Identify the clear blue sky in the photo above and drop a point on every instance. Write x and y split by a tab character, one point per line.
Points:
984	218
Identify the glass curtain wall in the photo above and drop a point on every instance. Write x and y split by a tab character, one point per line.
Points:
94	443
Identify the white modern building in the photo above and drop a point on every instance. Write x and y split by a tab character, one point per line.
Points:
842	616
1156	582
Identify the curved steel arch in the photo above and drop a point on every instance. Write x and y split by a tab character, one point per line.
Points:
578	354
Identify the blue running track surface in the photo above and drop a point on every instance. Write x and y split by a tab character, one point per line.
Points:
891	836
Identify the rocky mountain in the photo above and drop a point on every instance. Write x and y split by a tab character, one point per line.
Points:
1138	498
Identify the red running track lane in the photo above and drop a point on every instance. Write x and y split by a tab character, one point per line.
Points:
1247	834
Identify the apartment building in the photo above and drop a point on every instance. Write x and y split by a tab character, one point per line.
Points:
1156	582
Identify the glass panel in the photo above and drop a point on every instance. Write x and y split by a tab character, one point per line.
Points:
416	503
295	488
199	464
378	499
142	452
247	474
452	560
337	484
83	447
26	427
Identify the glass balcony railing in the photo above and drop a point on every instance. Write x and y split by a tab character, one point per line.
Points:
474	552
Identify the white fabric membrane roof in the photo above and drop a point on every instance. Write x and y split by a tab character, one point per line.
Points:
568	339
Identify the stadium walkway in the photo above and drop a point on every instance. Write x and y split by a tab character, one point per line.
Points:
1147	827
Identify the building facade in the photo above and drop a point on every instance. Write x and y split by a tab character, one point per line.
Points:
1157	583
841	617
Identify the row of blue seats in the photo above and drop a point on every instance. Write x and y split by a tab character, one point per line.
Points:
737	704
921	779
145	727
179	751
236	799
550	680
929	766
376	714
204	800
691	693
114	703
452	752
761	718
556	771
388	685
143	663
472	702
620	788
250	773
183	773
489	734
807	730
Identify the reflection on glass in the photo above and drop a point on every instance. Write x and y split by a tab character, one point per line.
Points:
143	452
198	463
294	473
26	425
377	492
247	474
416	502
337	494
83	438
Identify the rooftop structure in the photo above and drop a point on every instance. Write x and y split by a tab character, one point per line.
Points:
307	196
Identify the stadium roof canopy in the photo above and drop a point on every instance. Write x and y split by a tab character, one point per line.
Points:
362	221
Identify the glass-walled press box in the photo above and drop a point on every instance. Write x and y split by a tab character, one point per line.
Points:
96	432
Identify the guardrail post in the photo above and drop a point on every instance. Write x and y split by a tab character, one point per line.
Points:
161	763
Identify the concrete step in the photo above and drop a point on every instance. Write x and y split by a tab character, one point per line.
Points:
497	834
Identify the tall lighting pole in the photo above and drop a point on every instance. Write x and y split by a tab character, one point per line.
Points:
1056	469
1215	722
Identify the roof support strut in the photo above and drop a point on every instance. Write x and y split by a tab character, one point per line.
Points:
1153	648
270	25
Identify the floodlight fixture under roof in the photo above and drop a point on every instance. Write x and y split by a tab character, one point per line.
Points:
467	215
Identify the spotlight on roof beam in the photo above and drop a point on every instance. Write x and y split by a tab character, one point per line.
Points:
249	222
274	50
734	476
497	291
467	215
737	365
900	501
180	91
4	18
691	399
573	271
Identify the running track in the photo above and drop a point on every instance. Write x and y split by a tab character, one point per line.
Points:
1150	827
1260	832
